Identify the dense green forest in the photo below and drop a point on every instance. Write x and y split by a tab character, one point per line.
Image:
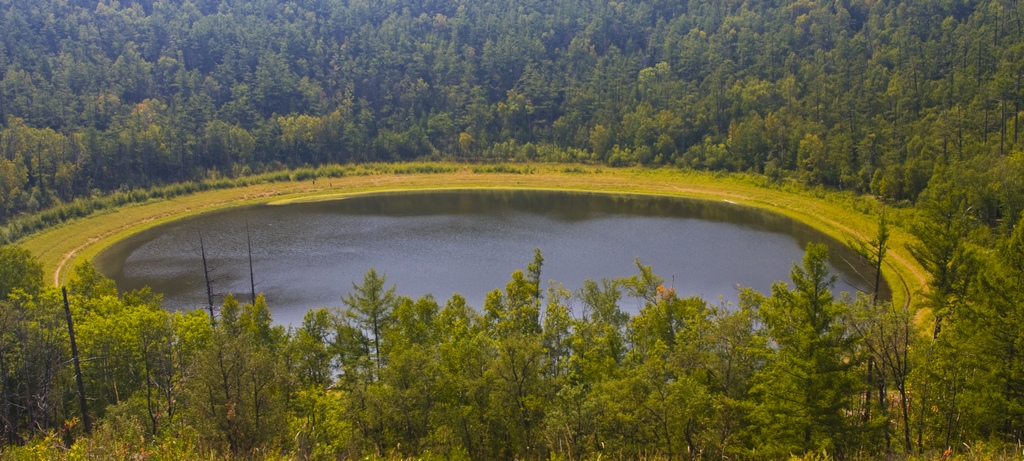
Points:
917	103
869	96
535	373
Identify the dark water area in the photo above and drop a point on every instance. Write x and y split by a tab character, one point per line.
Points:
307	255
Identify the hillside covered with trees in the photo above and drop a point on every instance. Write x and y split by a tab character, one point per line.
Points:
869	96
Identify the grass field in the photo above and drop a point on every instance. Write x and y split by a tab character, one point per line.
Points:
842	216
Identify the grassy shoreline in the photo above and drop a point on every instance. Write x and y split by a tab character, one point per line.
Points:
841	216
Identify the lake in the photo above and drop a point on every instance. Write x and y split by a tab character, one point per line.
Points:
307	255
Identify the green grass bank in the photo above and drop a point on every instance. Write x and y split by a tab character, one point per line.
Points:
840	215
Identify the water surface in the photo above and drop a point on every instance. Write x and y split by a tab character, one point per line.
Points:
307	255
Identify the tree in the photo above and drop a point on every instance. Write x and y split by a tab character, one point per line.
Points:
225	145
804	391
887	332
984	341
665	387
942	228
466	352
19	270
738	351
312	343
410	384
33	351
369	308
556	332
598	336
240	387
874	251
13	179
517	397
517	310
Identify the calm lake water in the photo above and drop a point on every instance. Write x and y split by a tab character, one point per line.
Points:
307	255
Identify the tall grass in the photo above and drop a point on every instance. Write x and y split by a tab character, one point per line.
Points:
25	225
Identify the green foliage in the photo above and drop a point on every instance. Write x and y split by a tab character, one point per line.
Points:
239	385
370	312
517	310
977	360
98	105
311	347
804	390
19	271
319	423
796	373
33	345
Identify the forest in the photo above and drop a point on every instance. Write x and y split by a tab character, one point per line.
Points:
869	96
916	104
537	373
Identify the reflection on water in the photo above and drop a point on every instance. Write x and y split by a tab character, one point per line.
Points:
307	255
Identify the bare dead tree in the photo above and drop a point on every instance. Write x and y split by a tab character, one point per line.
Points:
209	282
78	368
252	280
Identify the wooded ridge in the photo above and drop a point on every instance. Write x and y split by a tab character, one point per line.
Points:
871	96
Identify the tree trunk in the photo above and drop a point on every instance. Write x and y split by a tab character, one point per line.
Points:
82	402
